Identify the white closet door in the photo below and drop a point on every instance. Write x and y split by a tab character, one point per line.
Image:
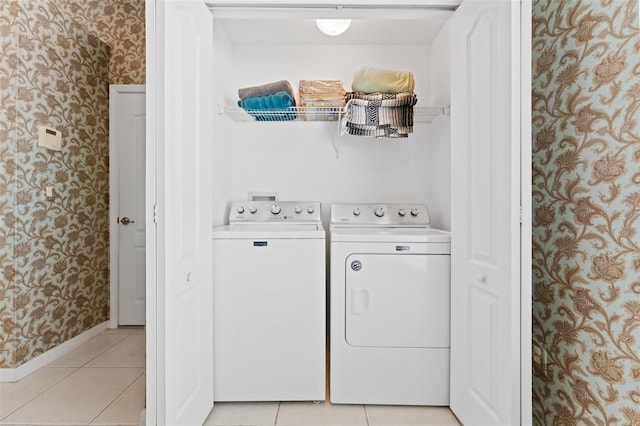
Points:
181	139
485	205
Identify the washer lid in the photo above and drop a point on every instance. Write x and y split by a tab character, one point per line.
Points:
410	235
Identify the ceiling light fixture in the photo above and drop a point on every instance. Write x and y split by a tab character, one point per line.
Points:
333	27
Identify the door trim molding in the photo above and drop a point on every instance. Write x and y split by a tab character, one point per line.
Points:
115	90
526	371
154	16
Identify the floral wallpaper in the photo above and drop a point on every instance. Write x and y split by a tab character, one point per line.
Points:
54	256
8	59
121	25
586	200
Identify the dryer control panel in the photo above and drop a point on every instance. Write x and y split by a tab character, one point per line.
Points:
380	215
295	212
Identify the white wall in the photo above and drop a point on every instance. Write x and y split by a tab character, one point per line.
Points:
298	159
439	147
221	138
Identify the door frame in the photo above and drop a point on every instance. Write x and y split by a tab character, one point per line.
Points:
155	325
525	302
154	295
115	90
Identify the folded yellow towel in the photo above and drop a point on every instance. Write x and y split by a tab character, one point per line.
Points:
377	81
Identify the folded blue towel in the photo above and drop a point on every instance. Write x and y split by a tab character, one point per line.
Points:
259	107
266	89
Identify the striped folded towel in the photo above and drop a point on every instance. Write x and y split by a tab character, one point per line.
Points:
379	115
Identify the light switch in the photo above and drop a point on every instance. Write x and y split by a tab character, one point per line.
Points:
49	192
49	138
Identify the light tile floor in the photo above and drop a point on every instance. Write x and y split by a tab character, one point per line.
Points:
99	383
325	414
102	383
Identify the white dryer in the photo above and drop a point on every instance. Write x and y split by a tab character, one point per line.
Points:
390	306
269	303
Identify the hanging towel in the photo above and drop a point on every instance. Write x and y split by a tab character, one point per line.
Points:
274	107
267	89
379	115
378	81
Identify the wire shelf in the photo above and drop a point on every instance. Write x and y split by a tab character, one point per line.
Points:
420	114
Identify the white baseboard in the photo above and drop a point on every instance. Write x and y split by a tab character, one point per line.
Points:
15	374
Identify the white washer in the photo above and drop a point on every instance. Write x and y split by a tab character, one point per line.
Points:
269	301
390	298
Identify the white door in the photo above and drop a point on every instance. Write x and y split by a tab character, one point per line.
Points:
127	186
180	115
485	228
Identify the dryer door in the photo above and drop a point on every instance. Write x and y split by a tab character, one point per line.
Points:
397	300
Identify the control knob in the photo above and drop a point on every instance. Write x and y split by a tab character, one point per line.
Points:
379	212
276	209
310	209
253	209
356	212
240	209
415	212
402	212
298	209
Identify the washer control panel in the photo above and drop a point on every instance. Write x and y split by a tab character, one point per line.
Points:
275	212
383	215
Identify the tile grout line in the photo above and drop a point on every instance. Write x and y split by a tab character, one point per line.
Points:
118	395
277	414
366	415
91	359
107	349
74	369
116	364
102	367
125	336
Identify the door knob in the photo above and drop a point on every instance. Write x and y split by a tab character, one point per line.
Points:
125	221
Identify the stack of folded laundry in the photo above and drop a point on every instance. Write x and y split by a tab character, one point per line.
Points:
380	105
321	99
269	102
